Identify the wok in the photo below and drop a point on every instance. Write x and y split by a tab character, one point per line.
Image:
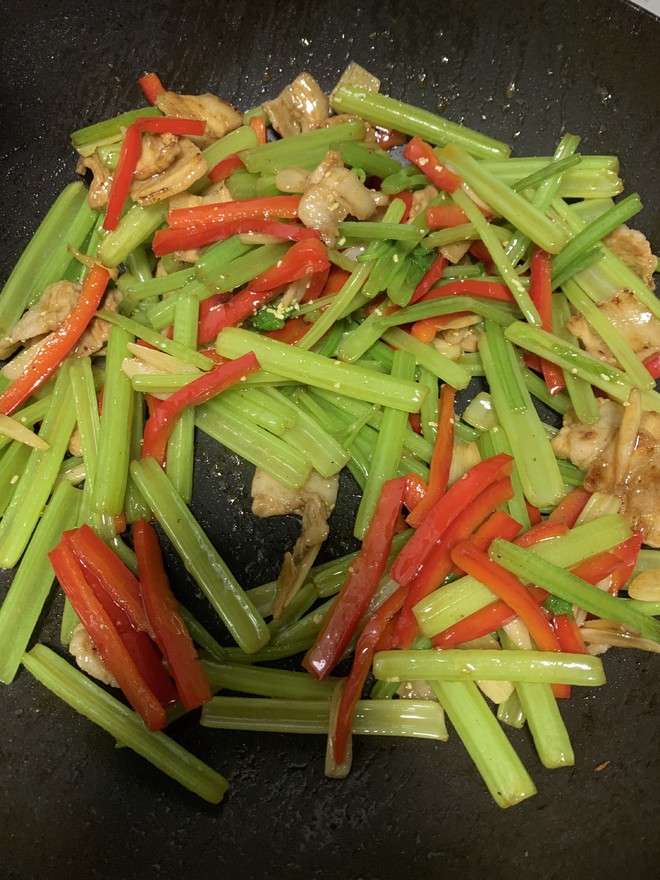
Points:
522	72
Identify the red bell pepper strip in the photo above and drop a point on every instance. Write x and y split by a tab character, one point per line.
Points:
227	314
542	531
455	499
430	277
413	492
151	86
570	507
415	422
510	589
292	332
407	198
441	458
652	364
316	285
162	609
302	259
225	168
426	329
627	552
171	125
498	525
166	241
568	633
258	126
479	250
358	589
161	422
540	292
122	179
387	138
337	277
105	637
116	579
471	287
597	568
438	563
58	345
482	622
421	154
264	208
372	634
533	513
533	361
444	216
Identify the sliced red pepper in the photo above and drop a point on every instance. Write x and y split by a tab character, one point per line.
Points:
533	513
438	563
471	287
444	216
292	332
498	525
407	198
225	168
540	292
266	208
542	531
122	179
117	580
430	277
301	260
533	361
421	154
569	635
258	125
426	329
510	589
358	589
570	507
387	138
441	458
105	637
58	345
415	422
652	364
178	125
316	285
413	492
337	277
166	241
231	312
162	609
369	638
627	552
455	499
161	422
483	622
151	86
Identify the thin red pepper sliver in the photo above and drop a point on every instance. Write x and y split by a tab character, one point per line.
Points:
533	513
498	525
315	285
430	277
225	168
407	198
162	609
117	580
510	589
471	287
166	241
58	345
444	216
438	563
337	277
421	154
413	492
570	507
455	499
302	259
178	125
161	422
105	637
426	329
258	126
292	332
358	589
441	458
151	86
540	292
369	639
122	179
267	207
568	633
542	531
480	623
652	364
226	314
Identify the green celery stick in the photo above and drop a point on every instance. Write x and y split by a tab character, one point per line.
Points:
181	445
305	150
133	229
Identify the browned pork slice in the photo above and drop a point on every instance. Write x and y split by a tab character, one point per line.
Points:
157	152
99	188
638	326
632	247
314	502
621	455
219	116
187	165
332	192
299	107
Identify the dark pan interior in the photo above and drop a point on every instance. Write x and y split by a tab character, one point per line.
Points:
523	72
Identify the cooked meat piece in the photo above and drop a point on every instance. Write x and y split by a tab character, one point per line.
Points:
219	116
621	454
299	107
632	319
460	338
632	247
216	193
421	199
369	130
315	502
332	192
75	442
356	75
88	658
96	334
99	188
189	165
52	307
455	252
158	152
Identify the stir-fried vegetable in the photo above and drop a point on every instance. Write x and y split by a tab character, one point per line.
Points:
312	302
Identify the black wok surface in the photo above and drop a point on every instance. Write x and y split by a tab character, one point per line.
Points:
523	72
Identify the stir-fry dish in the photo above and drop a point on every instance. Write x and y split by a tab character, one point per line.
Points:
318	283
